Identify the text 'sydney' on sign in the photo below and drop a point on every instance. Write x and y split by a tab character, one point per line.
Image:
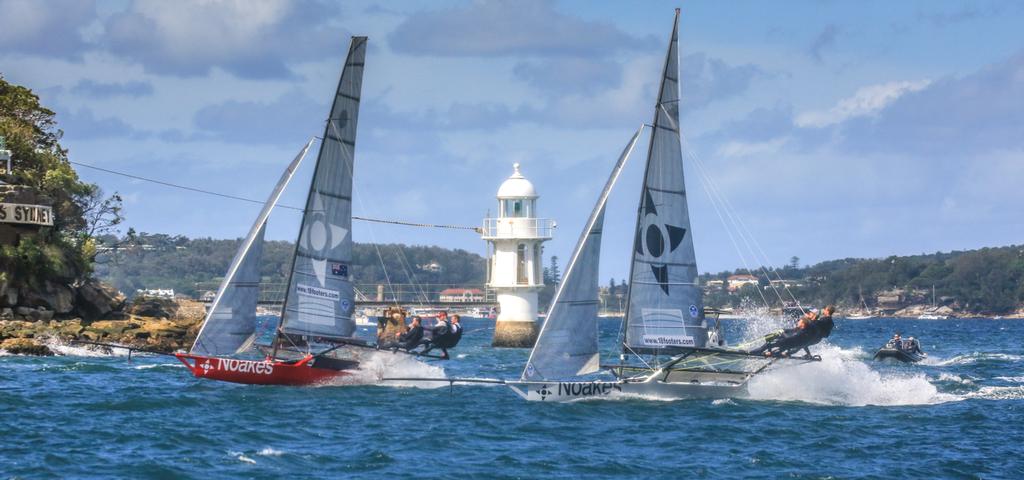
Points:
30	214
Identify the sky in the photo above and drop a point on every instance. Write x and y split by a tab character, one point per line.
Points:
817	129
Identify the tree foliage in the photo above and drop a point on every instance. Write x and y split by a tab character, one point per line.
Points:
191	266
39	161
989	280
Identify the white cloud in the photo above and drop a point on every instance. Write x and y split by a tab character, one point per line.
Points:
866	101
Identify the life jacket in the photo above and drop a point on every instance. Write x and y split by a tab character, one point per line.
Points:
455	335
441	333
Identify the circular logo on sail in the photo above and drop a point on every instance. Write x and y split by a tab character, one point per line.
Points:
694	312
346	305
657	240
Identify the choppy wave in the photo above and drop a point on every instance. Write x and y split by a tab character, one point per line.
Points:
242	457
1015	392
842	378
972	358
953	378
270	452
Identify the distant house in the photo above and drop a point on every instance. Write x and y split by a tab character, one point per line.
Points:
208	296
432	267
156	293
890	299
786	283
737	282
715	284
460	295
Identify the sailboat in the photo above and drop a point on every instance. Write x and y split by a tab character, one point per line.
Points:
316	326
668	349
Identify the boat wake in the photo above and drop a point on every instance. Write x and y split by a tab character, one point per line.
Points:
843	378
375	365
59	347
972	358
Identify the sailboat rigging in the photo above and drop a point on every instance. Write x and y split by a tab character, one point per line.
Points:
667	347
317	313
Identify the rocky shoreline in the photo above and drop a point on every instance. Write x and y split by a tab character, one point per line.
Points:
155	324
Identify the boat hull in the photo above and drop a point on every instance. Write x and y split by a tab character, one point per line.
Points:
651	389
276	372
898	355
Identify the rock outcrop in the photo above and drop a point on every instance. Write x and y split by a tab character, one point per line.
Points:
95	300
164	333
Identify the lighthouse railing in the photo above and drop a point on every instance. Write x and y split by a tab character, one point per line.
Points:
524	228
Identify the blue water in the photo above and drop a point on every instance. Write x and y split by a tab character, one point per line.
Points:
960	415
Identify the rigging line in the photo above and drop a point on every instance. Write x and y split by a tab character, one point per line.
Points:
718	211
251	200
373	236
174	185
748	236
701	177
745	234
718	199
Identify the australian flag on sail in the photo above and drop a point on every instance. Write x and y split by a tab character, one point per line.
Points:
339	269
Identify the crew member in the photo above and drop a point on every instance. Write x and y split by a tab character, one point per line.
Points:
456	333
810	330
439	335
411	338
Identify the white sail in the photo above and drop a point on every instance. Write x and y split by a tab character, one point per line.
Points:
232	315
320	297
665	308
567	343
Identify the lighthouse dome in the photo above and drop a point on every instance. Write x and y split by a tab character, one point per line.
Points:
517	186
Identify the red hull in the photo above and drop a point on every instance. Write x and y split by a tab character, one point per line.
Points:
258	372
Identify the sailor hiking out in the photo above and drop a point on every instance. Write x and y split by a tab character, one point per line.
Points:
446	334
811	329
409	339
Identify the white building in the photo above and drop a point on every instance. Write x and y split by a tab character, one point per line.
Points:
736	282
461	295
156	293
515	269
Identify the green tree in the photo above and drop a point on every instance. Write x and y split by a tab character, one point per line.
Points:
39	161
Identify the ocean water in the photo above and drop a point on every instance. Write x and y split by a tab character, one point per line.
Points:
960	414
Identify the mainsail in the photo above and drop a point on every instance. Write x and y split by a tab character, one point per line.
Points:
319	298
232	316
567	343
665	309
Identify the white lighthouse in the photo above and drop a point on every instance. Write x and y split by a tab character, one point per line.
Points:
515	270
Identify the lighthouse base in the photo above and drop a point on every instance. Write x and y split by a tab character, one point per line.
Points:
514	334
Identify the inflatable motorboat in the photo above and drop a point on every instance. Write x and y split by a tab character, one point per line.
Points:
908	351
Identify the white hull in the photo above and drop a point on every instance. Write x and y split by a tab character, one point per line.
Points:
619	389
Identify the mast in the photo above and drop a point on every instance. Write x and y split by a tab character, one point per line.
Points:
567	343
320	297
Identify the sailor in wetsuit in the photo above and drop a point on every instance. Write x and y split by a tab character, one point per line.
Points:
811	329
438	334
446	335
409	339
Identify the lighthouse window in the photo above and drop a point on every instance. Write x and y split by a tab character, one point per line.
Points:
517	208
521	277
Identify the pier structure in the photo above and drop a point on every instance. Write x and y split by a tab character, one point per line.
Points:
514	260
